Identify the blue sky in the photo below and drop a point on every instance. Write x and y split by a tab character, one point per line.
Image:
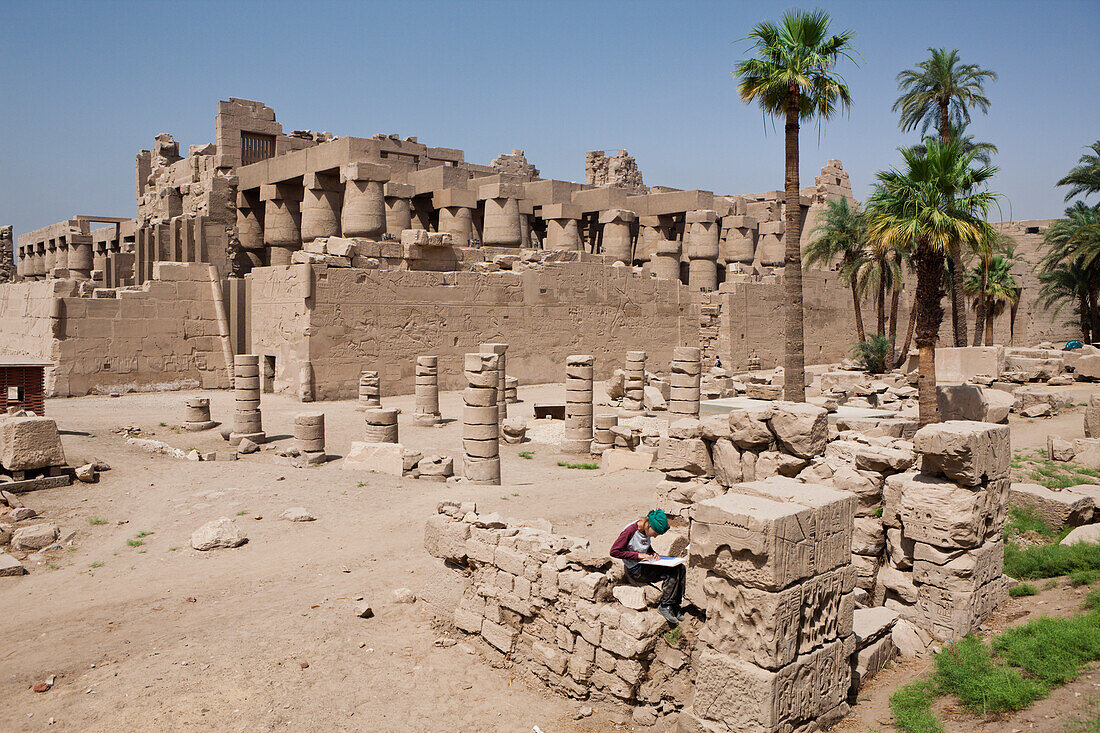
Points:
85	85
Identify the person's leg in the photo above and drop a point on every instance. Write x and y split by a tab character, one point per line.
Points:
668	578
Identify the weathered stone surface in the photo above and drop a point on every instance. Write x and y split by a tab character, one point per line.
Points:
630	596
973	402
936	511
387	458
27	443
901	584
727	462
1059	450
868	536
873	623
1037	410
959	571
883	459
445	538
86	473
952	614
749	427
715	427
9	566
1092	417
871	659
222	532
1086	533
1056	508
34	537
801	429
910	640
618	459
967	452
297	514
689	455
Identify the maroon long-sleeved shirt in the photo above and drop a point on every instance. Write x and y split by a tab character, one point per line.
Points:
630	545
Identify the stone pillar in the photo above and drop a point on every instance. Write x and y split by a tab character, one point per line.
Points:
21	262
666	259
769	245
309	435
305	382
246	387
578	404
61	255
79	260
702	249
480	419
380	425
738	239
250	226
99	260
562	230
51	257
427	390
456	214
511	390
398	197
364	210
196	414
38	263
650	235
282	221
603	438
684	379
320	206
502	386
617	225
370	393
501	227
634	382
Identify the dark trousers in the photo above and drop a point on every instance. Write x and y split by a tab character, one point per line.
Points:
672	588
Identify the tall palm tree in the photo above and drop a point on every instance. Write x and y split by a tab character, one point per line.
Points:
940	93
1084	178
993	288
1076	239
931	206
1068	283
983	151
841	235
996	244
792	77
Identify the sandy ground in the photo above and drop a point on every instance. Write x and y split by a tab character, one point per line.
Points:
264	636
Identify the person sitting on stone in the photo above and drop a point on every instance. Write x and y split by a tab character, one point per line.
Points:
633	546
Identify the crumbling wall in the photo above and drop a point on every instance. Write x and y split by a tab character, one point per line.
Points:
374	319
514	163
282	302
7	255
620	170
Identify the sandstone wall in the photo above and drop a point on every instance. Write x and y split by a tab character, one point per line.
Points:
25	326
369	319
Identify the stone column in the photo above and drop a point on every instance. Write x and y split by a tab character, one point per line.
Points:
511	390
649	236
320	206
370	393
398	198
562	230
282	221
702	249
617	225
502	386
480	419
666	259
309	435
51	257
769	245
380	425
578	404
20	263
306	382
61	255
456	214
684	382
427	390
250	226
364	210
196	414
99	260
80	261
634	382
603	438
39	261
246	387
501	227
738	239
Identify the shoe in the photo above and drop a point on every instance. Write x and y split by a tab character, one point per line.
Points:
680	615
668	614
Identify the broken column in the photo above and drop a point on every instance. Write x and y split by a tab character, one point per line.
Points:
562	229
456	214
427	390
738	239
649	236
501	227
320	206
80	260
398	207
769	245
480	419
380	425
603	439
684	377
578	404
196	414
364	211
617	225
282	221
702	249
370	393
246	393
634	382
666	259
309	434
502	382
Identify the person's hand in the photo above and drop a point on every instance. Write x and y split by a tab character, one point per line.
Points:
653	556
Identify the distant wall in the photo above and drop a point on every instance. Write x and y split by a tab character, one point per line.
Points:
25	324
370	319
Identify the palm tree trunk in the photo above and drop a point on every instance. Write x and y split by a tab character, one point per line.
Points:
980	309
945	120
856	309
958	301
904	353
894	296
990	312
794	370
1083	307
882	305
929	266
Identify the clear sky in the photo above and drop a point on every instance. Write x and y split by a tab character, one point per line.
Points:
85	85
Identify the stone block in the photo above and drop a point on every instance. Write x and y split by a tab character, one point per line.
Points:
749	428
959	570
446	538
689	455
957	365
964	451
387	458
28	443
800	428
973	402
951	615
1056	508
726	460
936	511
871	659
618	459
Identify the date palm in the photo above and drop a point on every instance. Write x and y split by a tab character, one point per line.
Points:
997	244
1075	239
792	77
841	236
993	288
931	206
983	152
1068	283
940	93
1084	178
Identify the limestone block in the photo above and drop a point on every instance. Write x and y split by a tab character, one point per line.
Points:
868	536
1088	367
726	460
1085	533
222	532
685	455
900	550
1092	417
866	570
749	427
901	584
1056	508
936	511
871	659
841	380
28	443
10	567
618	459
801	428
959	570
967	452
973	402
35	537
872	623
883	459
1059	450
951	615
387	458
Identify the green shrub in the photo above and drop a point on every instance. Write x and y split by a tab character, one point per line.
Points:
873	353
1052	650
1023	589
1050	561
912	708
1083	577
967	670
585	466
1024	519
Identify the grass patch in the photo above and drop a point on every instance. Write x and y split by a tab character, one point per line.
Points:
1050	561
673	636
878	511
526	454
585	466
912	708
96	565
967	670
139	535
242	512
1023	589
1024	519
96	521
134	543
1052	651
1083	577
1054	474
361	484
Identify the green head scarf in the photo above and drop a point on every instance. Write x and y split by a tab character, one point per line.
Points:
658	520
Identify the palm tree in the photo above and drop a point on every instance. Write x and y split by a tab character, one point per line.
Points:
930	206
1075	240
993	287
792	78
1068	283
940	93
1085	177
997	244
841	235
983	152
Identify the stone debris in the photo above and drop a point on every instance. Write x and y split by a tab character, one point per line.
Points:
29	443
297	514
404	595
9	566
35	537
220	533
513	430
363	609
1055	508
196	414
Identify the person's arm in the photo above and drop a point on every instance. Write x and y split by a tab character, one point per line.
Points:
619	549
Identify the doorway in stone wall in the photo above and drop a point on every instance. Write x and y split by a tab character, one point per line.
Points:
267	379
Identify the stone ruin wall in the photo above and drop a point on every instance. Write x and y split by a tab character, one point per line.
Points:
7	255
357	319
620	170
